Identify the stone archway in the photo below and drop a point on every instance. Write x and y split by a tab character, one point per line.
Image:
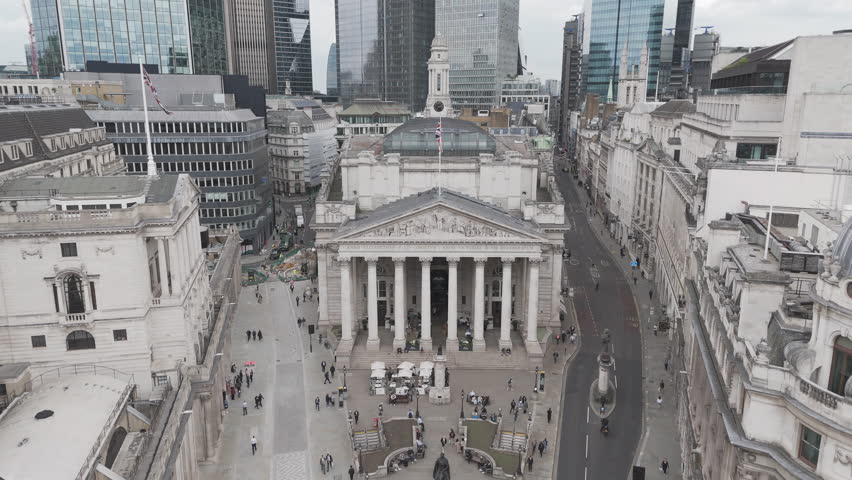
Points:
115	443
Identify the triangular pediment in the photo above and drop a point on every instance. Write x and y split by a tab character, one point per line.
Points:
439	223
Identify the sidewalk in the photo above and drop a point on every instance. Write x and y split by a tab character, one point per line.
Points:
660	436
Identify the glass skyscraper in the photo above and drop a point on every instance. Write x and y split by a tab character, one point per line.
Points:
207	32
383	48
292	36
117	31
331	71
613	24
482	36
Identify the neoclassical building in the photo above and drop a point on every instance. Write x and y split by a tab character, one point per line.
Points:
462	253
766	390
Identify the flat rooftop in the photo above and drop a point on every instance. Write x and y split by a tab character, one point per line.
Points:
160	190
56	447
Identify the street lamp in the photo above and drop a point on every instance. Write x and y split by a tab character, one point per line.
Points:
535	379
520	460
417	399
344	378
461	412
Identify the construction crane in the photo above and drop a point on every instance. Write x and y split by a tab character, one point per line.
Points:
706	28
33	57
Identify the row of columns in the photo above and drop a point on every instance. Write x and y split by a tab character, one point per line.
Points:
373	343
181	259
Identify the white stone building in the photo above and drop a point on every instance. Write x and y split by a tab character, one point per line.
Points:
288	149
103	270
768	358
632	79
465	255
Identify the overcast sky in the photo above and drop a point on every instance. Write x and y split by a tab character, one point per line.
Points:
740	23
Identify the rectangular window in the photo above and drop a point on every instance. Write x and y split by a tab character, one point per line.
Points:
68	249
383	289
809	446
119	335
94	297
414	299
38	341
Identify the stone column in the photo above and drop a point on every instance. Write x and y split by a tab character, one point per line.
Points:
532	305
506	304
426	304
372	306
176	267
322	279
479	305
345	300
556	295
452	304
164	278
399	302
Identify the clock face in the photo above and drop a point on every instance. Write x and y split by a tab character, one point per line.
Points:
438	106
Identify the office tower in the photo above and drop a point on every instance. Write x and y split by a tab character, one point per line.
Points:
292	44
251	45
680	52
665	76
705	47
207	34
382	50
614	24
116	31
331	71
482	36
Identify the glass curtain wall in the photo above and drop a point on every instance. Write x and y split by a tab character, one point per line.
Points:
482	36
292	32
615	23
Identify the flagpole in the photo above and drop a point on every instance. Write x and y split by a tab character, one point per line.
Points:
440	151
152	167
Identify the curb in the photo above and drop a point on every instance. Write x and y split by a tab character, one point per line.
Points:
642	343
564	378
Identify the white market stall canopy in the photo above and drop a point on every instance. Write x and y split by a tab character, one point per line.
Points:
377	373
377	366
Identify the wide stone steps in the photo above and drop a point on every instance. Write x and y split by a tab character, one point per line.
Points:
508	441
367	440
461	360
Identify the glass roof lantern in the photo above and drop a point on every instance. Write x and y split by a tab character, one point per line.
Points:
417	137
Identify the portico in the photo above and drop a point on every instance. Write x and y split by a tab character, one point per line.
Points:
439	270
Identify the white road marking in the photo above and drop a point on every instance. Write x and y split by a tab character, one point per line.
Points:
585	473
587	446
588	410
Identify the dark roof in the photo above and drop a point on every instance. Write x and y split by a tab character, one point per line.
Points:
757	61
160	190
675	108
420	201
375	107
38	122
285	117
416	137
757	55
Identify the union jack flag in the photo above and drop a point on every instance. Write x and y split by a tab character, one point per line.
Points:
438	136
154	93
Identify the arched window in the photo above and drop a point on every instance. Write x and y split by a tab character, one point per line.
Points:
841	366
80	340
74	297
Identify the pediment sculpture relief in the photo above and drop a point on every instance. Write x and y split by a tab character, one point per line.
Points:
437	223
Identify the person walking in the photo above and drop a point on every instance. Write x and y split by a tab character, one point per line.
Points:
256	405
549	414
664	466
650	294
662	385
292	288
509	384
253	445
555	357
529	463
351	472
666	364
316	403
322	364
253	335
332	369
541	449
327	380
248	335
245	408
660	400
297	301
260	399
322	464
251	375
260	335
329	461
355	415
597	286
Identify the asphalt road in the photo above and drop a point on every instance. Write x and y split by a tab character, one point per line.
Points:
584	453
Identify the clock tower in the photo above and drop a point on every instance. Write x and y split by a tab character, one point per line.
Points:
438	103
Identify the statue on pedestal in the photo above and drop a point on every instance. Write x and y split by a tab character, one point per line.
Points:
442	469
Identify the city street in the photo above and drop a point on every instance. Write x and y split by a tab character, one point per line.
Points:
584	453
